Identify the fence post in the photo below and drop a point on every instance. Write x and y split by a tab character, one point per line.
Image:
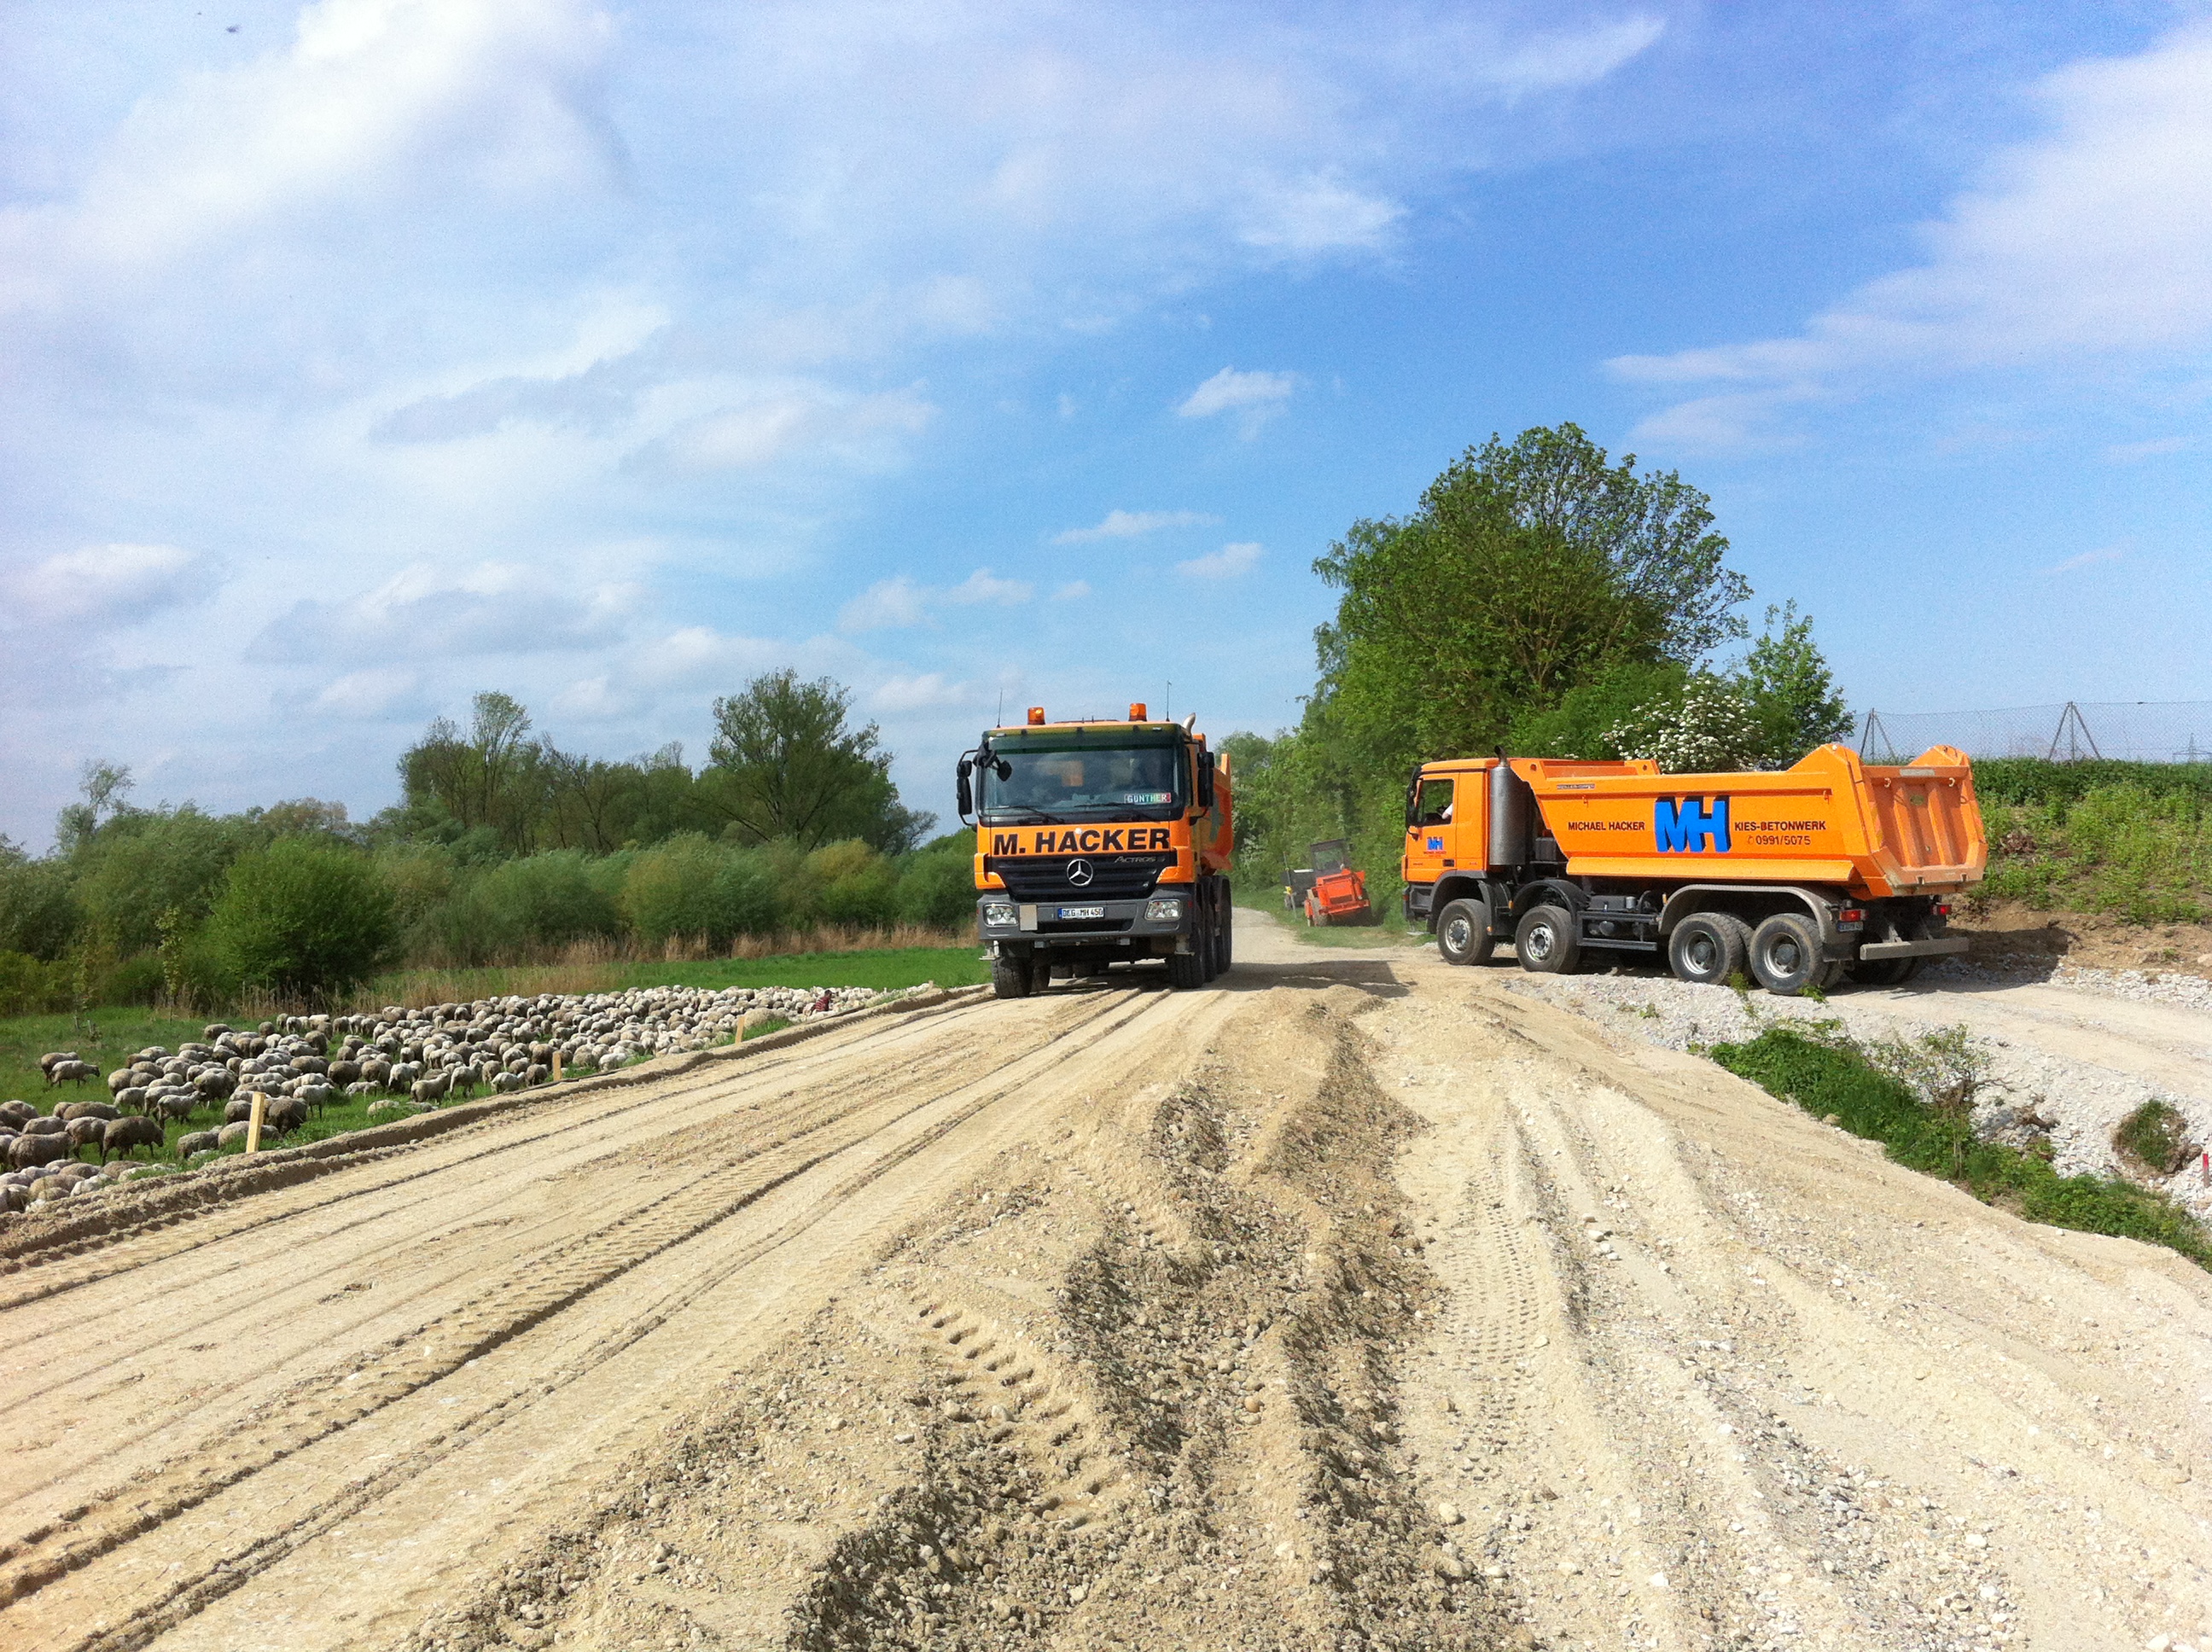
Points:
253	1121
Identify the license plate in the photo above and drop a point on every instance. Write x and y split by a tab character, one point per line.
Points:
1066	913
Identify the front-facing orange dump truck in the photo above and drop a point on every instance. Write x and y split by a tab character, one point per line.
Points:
1099	842
1831	869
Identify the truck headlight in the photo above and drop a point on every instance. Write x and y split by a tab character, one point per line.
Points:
1000	915
1165	910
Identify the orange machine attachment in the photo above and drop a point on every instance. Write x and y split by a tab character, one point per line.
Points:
1338	894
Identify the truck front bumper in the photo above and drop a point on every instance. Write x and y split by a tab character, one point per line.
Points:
1155	927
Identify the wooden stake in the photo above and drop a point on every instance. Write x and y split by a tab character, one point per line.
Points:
253	1123
556	1066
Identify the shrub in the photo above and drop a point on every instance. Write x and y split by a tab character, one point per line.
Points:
938	889
303	917
2155	1139
690	885
38	910
31	986
545	901
858	886
143	864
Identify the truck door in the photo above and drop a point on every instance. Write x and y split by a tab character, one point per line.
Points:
1432	831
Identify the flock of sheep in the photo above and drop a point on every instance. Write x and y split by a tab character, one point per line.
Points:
409	1060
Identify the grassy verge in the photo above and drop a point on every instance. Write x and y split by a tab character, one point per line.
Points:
120	1032
2138	855
1834	1078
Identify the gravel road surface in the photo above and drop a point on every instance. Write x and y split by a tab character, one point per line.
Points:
1354	1302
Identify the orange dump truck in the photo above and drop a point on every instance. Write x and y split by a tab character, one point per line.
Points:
1099	842
1831	869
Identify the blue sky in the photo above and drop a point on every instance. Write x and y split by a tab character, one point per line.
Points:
359	356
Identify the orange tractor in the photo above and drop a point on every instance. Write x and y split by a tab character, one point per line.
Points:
1338	894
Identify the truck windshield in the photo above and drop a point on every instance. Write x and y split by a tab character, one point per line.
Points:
1091	783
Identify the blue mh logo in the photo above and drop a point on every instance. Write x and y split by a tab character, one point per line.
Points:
1682	825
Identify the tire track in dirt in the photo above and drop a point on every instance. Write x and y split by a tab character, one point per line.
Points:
45	1269
257	1310
548	1284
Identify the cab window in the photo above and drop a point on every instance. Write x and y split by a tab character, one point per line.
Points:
1434	805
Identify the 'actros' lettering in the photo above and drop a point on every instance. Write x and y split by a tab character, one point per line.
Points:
1682	825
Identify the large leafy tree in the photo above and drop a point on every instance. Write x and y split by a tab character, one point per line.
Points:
786	763
1526	570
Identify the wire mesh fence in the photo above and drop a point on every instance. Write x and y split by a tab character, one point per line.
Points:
2141	730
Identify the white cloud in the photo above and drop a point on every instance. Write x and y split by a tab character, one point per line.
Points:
2128	452
380	692
1225	563
931	691
1229	391
369	97
757	433
2088	559
1130	524
1321	214
104	586
1073	590
2094	241
900	602
435	611
985	586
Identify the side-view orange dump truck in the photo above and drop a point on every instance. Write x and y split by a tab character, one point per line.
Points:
1099	842
1831	869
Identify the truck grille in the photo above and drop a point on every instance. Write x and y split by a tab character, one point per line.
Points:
1114	876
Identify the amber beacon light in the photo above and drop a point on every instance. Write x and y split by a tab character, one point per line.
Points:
1136	711
1037	714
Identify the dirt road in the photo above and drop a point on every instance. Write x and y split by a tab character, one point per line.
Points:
1354	1302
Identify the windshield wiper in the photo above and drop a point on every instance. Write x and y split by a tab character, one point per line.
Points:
1024	817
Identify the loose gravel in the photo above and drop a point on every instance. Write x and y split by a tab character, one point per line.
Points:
2032	1091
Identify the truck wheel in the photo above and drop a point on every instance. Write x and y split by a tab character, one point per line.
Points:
1463	932
1708	947
1882	972
1011	977
1186	969
1208	938
1228	935
1547	943
1785	954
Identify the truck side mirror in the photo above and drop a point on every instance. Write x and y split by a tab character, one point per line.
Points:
963	793
1206	781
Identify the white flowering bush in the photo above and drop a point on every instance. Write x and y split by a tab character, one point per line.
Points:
1709	726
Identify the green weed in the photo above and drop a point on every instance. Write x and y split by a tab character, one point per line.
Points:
1830	1075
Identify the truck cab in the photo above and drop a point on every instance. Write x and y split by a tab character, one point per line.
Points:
1099	842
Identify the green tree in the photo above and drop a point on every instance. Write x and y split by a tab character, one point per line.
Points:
785	764
38	905
1792	694
1524	571
304	917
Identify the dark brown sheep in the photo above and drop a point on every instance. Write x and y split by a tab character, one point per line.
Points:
126	1136
29	1152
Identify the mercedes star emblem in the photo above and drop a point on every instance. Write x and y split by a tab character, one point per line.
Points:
1080	872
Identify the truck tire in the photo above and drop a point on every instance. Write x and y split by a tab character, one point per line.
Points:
1011	977
1463	932
1208	937
1228	934
1546	943
1708	947
1785	954
1883	972
1185	970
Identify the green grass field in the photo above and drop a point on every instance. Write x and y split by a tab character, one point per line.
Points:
120	1032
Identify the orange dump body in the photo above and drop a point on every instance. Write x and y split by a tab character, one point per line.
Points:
1879	831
